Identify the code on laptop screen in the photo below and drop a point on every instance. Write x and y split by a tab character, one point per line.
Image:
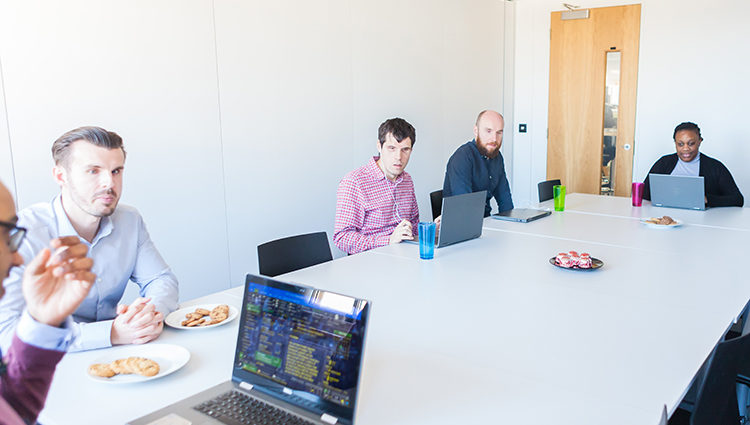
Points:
310	342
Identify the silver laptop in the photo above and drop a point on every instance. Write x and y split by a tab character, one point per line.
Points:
462	218
521	215
298	358
677	191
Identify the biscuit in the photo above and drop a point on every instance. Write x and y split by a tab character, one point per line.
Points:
139	365
101	369
221	308
194	316
218	317
143	366
120	366
202	311
195	323
219	314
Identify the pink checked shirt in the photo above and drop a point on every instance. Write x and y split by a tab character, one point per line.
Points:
369	207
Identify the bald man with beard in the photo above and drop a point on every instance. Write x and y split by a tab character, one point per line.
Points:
478	164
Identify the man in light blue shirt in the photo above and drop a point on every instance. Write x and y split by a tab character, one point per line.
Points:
89	162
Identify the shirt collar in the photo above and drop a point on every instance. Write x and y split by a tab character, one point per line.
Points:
65	227
376	174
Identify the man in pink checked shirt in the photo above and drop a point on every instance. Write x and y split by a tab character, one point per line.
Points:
375	204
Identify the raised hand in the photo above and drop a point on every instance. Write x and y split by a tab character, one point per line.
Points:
56	282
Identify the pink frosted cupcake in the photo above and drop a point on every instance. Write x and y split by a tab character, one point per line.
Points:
584	261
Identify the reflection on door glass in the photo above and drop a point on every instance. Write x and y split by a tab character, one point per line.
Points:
611	109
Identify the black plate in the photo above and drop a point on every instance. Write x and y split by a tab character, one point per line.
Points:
595	264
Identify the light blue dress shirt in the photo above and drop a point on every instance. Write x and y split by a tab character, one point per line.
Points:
44	336
122	250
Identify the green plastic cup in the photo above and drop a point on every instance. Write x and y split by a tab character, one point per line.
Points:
558	191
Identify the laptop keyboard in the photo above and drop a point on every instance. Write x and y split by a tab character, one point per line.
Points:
235	408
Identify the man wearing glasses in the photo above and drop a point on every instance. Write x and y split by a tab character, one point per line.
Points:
54	284
89	163
375	204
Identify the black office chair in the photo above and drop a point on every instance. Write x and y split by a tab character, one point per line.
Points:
436	200
545	189
716	402
293	253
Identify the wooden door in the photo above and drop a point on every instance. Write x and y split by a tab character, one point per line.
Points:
578	50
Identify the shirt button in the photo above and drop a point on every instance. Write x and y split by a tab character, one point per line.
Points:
99	280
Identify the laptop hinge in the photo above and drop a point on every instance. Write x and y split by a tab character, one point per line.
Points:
325	417
245	386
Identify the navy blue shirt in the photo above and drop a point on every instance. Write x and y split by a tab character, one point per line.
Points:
469	171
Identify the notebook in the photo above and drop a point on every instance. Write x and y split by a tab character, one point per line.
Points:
462	218
521	215
677	191
299	350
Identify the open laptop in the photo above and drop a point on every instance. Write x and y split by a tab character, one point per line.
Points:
677	191
462	218
298	356
521	215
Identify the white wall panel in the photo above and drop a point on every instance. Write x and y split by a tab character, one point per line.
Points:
286	118
145	69
7	176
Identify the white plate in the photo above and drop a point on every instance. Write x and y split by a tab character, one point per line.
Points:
677	223
169	356
175	318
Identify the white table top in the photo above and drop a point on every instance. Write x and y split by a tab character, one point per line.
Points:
74	398
728	217
490	332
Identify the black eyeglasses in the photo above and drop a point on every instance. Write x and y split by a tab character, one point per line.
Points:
15	235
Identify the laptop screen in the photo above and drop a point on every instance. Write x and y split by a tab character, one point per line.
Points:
302	345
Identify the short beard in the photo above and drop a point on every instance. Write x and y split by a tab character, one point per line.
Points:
489	154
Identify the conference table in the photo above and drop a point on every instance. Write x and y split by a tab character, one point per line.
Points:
490	332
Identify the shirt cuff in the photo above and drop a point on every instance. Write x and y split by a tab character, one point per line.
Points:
382	240
44	336
90	336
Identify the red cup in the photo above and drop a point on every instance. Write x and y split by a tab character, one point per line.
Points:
637	194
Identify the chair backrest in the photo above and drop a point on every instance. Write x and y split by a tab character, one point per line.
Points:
716	402
664	418
436	200
293	253
545	189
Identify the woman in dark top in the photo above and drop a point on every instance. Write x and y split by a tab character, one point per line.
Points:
720	188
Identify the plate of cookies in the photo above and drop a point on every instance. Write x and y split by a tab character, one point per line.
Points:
664	222
137	363
201	316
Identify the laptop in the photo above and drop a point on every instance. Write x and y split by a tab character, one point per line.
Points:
298	358
461	219
521	215
677	191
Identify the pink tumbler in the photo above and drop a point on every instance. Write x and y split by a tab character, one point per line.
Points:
637	194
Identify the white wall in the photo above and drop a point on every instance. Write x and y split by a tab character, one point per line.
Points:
691	68
241	117
6	164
